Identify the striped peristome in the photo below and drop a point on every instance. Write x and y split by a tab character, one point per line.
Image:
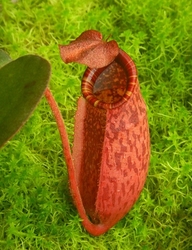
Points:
91	75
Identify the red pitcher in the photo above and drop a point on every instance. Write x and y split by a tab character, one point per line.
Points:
109	163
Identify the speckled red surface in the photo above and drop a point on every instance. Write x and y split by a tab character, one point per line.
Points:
111	158
115	158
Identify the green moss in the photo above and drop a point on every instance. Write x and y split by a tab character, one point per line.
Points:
36	209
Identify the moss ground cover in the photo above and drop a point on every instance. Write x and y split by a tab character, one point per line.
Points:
36	209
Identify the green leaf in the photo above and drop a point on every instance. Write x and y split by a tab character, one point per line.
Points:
4	58
22	84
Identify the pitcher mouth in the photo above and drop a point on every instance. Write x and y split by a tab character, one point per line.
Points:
128	79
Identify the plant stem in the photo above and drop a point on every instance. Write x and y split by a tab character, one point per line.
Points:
91	228
61	126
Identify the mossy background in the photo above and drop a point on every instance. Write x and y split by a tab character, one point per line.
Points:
36	209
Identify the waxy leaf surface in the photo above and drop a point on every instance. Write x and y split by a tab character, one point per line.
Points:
90	49
22	84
